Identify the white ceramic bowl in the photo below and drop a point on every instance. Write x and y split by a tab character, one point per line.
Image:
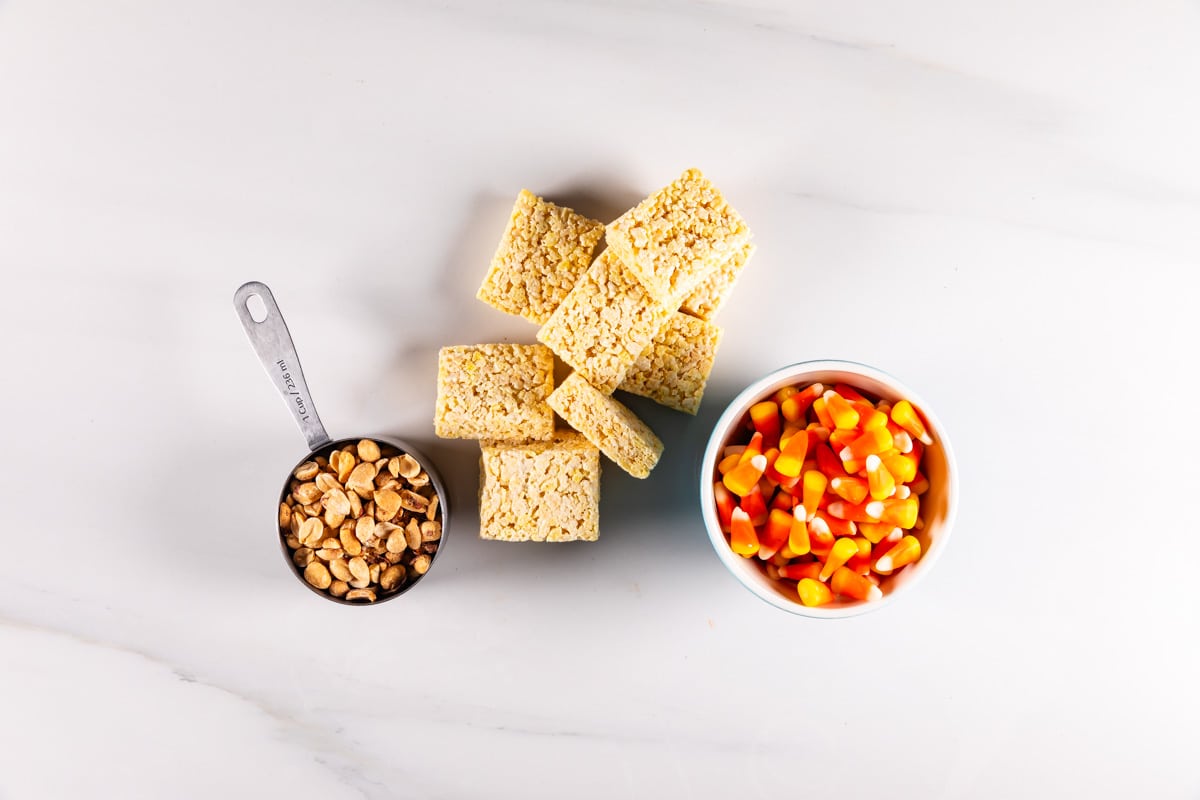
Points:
938	505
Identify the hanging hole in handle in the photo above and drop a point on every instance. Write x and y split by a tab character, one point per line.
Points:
256	307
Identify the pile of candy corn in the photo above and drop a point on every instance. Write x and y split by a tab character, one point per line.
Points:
823	488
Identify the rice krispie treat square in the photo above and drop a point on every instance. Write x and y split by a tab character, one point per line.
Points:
608	424
707	298
544	250
674	238
494	391
604	323
674	369
540	491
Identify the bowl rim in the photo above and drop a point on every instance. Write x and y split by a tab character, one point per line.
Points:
734	411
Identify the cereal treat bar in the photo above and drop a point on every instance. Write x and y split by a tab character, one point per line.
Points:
604	323
540	491
674	238
707	298
495	391
674	368
607	424
544	250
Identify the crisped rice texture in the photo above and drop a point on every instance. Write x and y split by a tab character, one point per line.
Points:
495	391
707	298
674	368
604	324
544	250
608	424
540	491
674	238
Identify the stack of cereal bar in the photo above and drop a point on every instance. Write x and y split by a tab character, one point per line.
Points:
637	318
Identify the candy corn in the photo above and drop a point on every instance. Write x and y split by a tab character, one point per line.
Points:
744	477
742	538
813	592
849	488
903	553
814	487
822	484
775	534
880	482
798	541
841	412
904	415
850	584
841	552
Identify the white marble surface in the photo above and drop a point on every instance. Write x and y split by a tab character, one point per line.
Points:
998	202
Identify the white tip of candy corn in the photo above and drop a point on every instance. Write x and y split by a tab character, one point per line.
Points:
827	394
759	462
874	509
845	454
903	492
927	439
820	526
874	593
739	510
884	564
873	463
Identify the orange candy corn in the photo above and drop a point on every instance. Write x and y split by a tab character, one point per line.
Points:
796	405
860	562
725	504
903	553
765	416
814	487
822	414
775	534
855	512
850	584
813	592
904	415
827	462
841	438
850	488
875	532
838	527
880	482
840	411
842	551
754	447
745	476
798	541
743	539
849	392
902	466
872	441
791	458
897	512
820	537
755	505
795	572
824	490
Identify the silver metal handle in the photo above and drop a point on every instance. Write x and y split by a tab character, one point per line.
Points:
271	340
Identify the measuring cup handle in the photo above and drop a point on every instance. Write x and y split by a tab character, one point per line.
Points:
271	340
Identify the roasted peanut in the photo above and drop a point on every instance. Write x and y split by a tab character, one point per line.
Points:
317	575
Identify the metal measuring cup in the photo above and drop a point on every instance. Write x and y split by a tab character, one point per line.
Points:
273	343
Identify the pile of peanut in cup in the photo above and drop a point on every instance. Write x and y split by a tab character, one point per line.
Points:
822	486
